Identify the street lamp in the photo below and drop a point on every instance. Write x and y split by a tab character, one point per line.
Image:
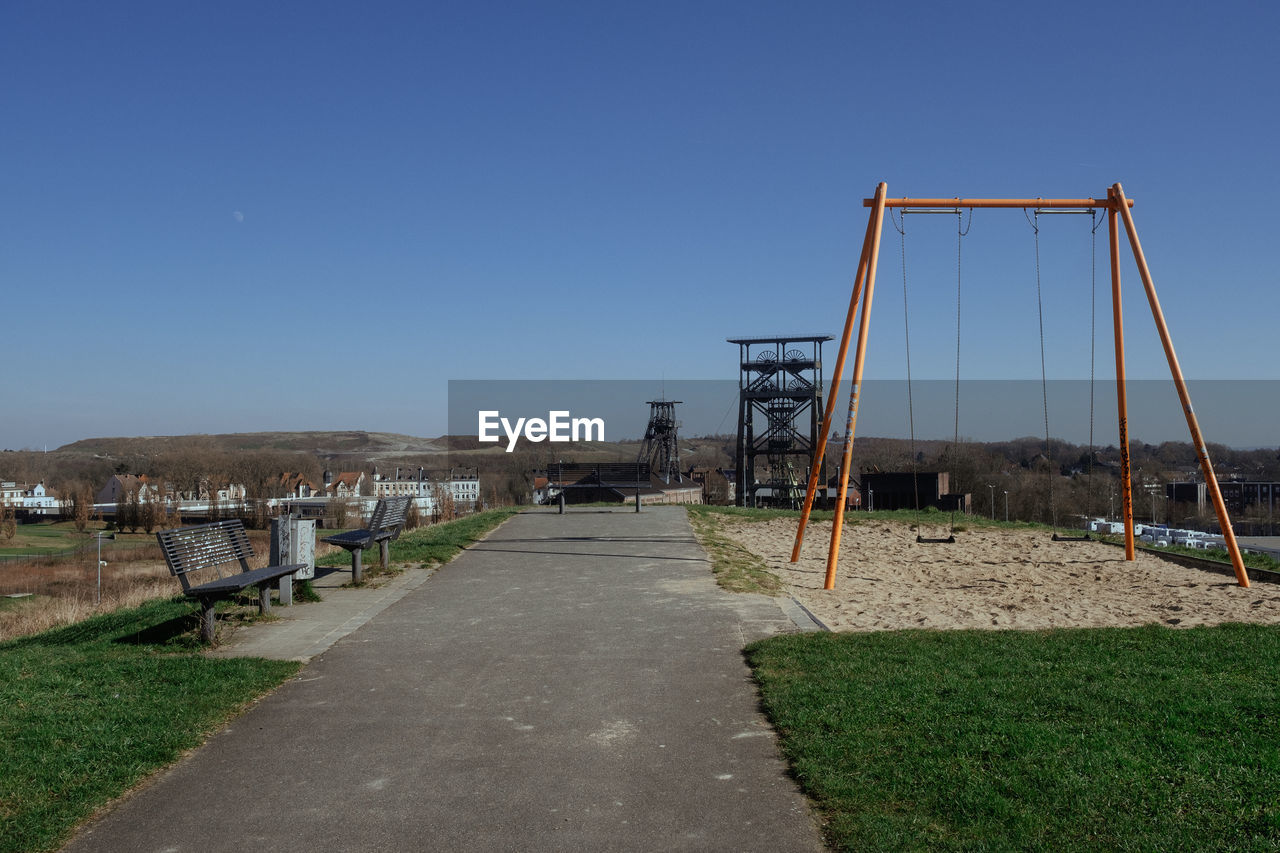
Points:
992	487
1006	505
100	563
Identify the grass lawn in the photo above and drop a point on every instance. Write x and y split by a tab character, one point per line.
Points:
431	545
1088	739
47	539
89	710
44	539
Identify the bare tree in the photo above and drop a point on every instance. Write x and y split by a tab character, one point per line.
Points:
79	495
445	509
412	517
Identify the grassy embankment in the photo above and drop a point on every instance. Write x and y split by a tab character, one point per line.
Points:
1088	739
89	710
428	546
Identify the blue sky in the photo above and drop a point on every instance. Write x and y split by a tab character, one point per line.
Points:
228	217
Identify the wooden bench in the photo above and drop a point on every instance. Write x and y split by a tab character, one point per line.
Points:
189	550
384	525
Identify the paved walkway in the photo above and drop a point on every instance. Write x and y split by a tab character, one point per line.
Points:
572	682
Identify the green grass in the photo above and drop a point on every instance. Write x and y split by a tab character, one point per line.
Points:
735	568
1251	559
44	539
89	710
1100	739
432	545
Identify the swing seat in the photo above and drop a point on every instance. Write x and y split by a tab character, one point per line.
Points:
1084	538
950	540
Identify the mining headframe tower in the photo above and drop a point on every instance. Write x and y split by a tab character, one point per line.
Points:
779	416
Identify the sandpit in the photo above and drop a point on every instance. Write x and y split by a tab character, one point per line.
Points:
993	578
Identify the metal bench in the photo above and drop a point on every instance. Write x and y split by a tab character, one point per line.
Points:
384	525
189	550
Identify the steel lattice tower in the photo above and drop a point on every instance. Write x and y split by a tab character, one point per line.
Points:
779	415
660	447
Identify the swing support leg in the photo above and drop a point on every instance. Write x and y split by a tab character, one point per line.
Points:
873	255
815	469
1122	405
1202	452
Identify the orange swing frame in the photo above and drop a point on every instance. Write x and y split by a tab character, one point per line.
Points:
1117	207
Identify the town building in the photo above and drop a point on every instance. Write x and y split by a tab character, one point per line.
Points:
34	499
461	486
346	485
296	486
464	488
37	500
121	485
11	493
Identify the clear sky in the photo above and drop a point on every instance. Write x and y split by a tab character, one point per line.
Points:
235	216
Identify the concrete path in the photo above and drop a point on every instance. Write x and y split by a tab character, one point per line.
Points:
572	682
303	631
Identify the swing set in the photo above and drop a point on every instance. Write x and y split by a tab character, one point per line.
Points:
1117	207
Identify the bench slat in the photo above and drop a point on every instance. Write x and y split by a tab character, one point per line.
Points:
352	538
241	581
203	546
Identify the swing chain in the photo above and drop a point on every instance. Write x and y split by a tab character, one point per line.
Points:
1044	374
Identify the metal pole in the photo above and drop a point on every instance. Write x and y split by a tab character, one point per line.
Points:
1206	467
948	204
1122	404
1006	506
99	567
851	422
816	469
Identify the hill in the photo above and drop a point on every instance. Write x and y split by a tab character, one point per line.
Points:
321	443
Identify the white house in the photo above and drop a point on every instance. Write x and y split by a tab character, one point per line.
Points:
465	489
409	482
11	493
40	501
35	499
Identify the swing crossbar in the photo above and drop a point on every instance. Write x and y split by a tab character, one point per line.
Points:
950	204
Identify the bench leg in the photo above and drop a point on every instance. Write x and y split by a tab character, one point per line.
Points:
264	599
385	548
356	567
206	621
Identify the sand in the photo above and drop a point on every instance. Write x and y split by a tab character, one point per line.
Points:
993	578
